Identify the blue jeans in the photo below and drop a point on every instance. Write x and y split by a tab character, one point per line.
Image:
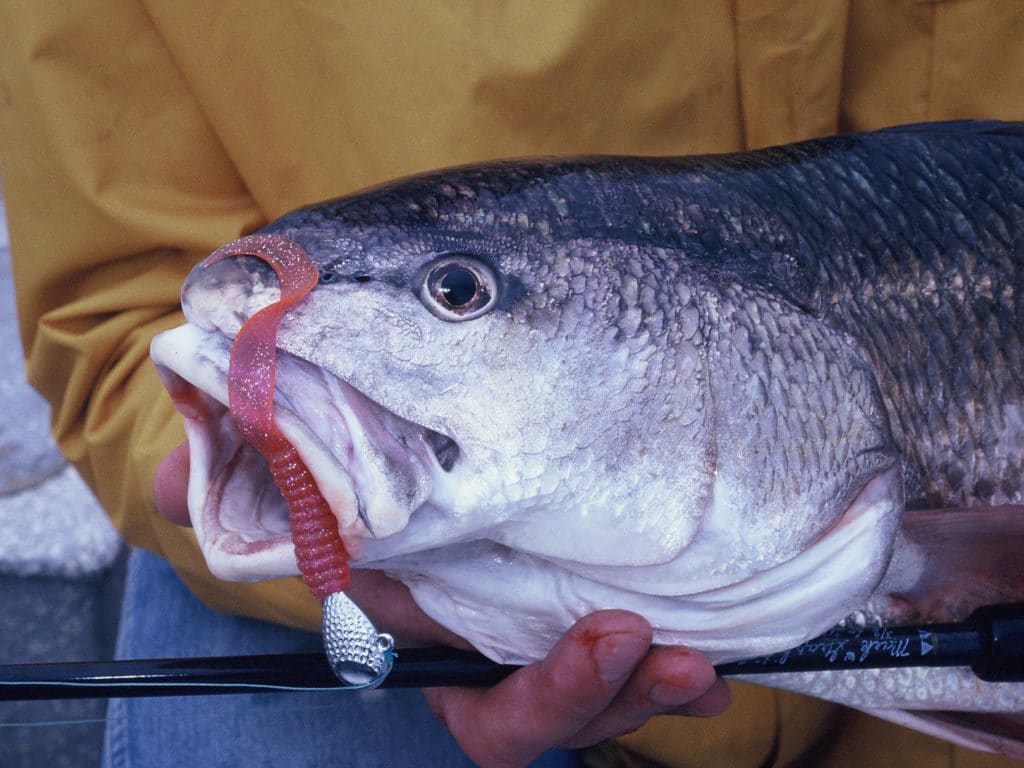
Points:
161	618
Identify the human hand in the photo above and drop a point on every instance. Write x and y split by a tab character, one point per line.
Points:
602	679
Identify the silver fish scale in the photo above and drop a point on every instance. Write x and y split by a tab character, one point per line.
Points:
907	241
747	338
935	298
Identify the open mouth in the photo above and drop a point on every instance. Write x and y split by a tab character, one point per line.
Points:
374	468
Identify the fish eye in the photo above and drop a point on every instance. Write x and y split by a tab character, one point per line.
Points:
458	287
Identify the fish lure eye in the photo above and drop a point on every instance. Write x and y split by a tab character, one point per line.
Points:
458	287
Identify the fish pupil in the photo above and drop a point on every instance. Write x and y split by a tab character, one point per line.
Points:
458	286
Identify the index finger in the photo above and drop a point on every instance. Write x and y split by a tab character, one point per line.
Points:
550	701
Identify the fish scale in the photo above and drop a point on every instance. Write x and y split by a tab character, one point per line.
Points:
703	391
880	173
881	327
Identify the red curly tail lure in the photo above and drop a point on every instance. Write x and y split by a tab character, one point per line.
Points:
357	653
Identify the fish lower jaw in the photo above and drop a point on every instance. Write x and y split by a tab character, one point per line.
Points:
248	536
240	518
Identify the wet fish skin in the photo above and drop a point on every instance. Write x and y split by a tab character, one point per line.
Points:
908	241
707	391
695	364
647	310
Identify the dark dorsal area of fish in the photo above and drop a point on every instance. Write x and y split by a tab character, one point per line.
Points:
910	241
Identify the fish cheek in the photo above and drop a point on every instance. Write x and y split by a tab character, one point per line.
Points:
800	420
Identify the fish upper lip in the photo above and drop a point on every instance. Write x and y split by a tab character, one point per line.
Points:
352	446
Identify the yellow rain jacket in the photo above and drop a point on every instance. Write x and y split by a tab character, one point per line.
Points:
138	135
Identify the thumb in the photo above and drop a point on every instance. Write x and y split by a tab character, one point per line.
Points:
170	486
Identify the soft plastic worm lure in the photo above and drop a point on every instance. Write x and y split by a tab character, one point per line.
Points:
356	652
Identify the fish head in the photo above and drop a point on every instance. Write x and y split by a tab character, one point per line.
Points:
495	383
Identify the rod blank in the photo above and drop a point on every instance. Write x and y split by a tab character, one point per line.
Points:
414	668
990	642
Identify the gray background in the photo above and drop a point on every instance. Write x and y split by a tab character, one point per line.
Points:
61	565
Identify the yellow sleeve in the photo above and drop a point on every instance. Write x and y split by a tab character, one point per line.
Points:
115	185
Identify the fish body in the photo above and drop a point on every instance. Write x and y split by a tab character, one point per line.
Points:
711	389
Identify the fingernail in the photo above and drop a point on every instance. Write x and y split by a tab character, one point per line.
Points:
617	655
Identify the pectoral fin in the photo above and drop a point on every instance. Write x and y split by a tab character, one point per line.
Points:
948	562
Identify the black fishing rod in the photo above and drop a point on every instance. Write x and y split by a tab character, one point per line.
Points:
990	643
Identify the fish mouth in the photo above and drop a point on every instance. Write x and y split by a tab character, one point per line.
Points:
373	467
